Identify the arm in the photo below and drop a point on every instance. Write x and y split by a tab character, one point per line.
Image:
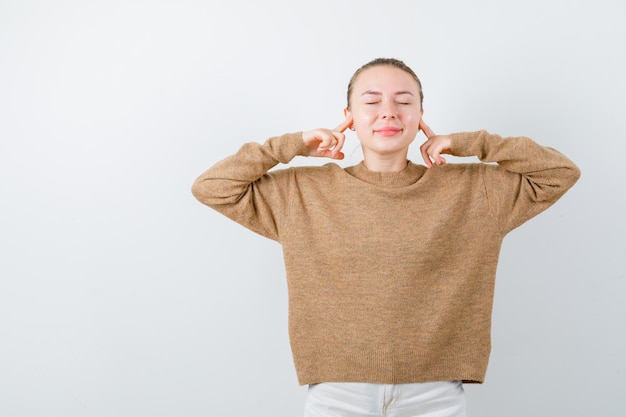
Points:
241	187
527	179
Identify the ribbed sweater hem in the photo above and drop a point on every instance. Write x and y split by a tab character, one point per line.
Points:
386	367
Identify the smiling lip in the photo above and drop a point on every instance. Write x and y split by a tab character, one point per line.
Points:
387	131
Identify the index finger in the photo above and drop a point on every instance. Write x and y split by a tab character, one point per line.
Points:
344	125
427	130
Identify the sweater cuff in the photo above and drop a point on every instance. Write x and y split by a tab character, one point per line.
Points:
287	146
301	149
466	144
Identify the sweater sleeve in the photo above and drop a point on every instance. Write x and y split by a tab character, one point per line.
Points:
241	188
526	178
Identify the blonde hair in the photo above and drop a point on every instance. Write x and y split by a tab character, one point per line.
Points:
384	61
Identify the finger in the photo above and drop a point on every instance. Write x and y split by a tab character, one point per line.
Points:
434	151
326	140
426	129
344	125
435	154
425	156
335	154
340	139
330	153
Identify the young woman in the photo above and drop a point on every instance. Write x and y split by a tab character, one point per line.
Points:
390	264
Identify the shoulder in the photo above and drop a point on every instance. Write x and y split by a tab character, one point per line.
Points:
306	171
457	175
465	174
457	169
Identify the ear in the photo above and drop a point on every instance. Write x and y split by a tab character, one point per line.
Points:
348	114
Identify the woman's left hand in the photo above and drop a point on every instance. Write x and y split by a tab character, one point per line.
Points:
435	146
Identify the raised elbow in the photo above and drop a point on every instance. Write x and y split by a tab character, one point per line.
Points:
575	173
198	190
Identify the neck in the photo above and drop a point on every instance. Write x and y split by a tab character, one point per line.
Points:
382	163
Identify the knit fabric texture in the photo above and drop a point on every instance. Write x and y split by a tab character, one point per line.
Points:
390	275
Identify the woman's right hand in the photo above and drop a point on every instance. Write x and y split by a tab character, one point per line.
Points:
325	142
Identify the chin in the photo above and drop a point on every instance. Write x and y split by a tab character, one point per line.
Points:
392	146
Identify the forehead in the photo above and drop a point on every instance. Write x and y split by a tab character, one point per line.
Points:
385	78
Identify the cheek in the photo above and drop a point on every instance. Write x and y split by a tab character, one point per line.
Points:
362	123
363	117
411	119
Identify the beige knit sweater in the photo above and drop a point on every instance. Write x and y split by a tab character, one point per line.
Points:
390	275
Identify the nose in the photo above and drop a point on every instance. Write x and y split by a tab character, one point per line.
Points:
388	111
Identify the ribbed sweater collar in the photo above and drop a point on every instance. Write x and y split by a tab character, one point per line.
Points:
406	177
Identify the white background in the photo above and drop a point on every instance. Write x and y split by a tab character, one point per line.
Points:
121	295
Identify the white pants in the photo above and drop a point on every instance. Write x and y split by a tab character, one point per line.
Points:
355	399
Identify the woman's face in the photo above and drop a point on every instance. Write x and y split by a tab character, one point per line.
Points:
386	110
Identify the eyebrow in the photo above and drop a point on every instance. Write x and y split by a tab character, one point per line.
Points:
378	93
